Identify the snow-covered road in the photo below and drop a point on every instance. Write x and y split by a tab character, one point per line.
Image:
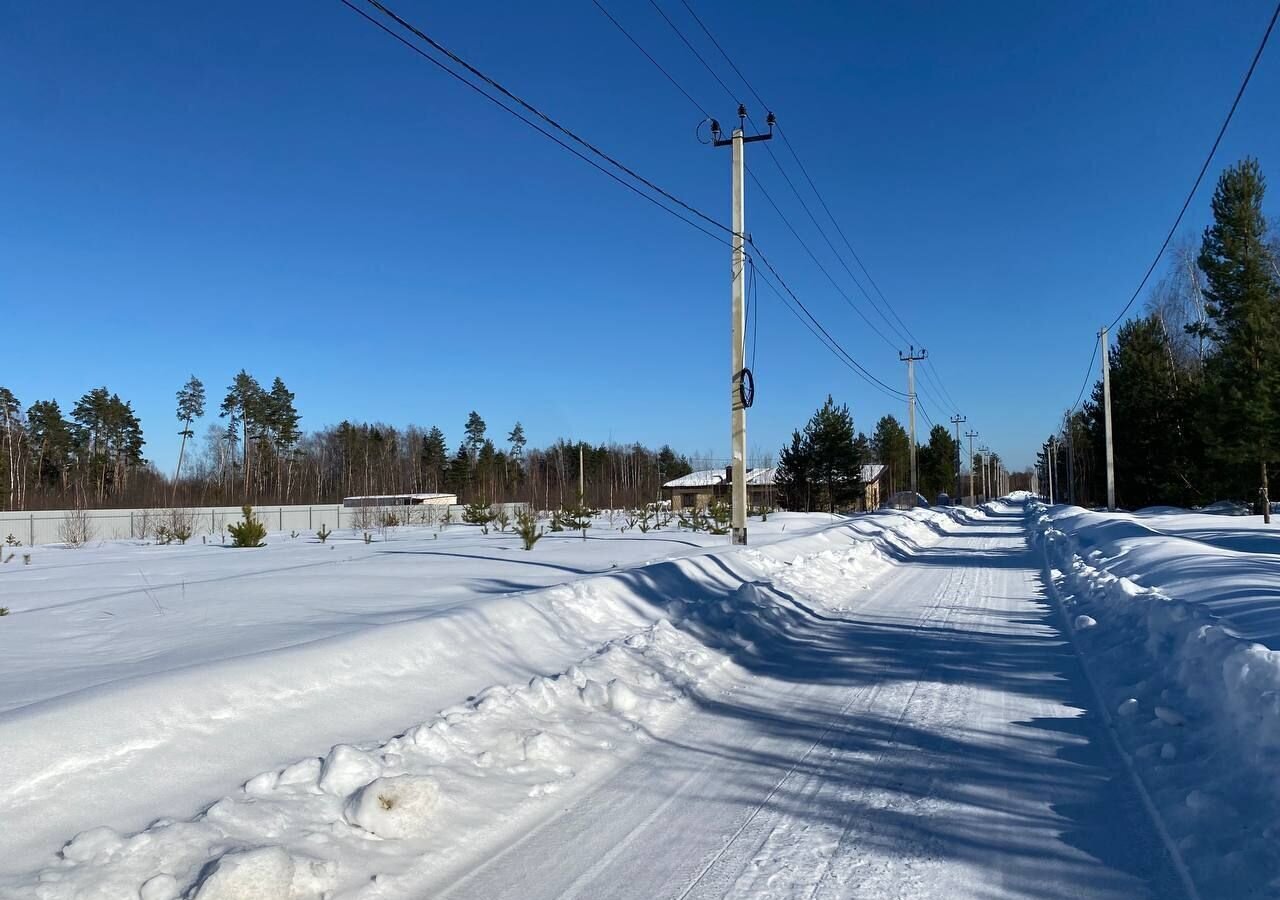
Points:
933	741
880	706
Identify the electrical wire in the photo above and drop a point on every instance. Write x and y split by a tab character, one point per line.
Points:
858	367
1088	376
678	86
1204	168
440	48
847	299
534	125
900	329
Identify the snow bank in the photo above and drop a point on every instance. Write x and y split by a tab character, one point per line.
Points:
649	639
1198	703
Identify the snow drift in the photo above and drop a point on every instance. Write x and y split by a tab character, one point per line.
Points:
1158	620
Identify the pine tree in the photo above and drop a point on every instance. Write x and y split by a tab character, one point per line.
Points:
242	407
190	407
435	458
517	440
937	463
792	478
891	447
822	466
1241	293
474	430
52	443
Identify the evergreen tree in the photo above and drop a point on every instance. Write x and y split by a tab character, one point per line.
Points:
190	407
672	465
1243	372
936	462
281	416
792	479
1148	411
242	408
435	458
474	430
52	443
517	441
822	467
458	476
891	447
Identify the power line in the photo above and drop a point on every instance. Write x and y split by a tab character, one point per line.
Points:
1088	375
1204	168
903	332
679	87
808	319
858	367
814	257
519	100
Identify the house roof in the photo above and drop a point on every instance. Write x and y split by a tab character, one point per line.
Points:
872	472
713	477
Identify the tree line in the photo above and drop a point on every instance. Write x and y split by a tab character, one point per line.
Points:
822	467
256	452
1195	381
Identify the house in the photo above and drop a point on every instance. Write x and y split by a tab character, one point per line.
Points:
698	490
401	500
875	486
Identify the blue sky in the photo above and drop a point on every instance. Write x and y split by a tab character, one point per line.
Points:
281	187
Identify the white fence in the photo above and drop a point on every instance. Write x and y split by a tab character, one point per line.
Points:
46	526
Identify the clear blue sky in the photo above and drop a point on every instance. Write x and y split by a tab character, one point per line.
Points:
281	187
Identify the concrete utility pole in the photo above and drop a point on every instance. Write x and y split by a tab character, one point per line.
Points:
1106	402
971	435
956	420
1071	460
986	458
1050	460
741	383
911	359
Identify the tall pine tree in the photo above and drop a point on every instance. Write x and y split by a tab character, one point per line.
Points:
1243	373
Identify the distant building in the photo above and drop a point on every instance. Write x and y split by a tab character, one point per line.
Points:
401	500
874	486
698	490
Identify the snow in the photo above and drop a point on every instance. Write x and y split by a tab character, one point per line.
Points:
712	477
1189	613
861	706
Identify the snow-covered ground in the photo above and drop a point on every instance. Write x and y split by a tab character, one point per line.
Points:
1178	617
886	705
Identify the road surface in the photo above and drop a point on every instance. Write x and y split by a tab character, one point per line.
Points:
937	739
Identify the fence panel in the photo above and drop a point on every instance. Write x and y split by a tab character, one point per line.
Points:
46	526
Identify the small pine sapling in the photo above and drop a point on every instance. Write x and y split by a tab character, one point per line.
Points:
527	528
478	513
4	610
323	532
502	519
720	516
12	541
250	532
26	559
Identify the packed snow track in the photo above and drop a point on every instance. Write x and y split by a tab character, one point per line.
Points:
932	740
883	706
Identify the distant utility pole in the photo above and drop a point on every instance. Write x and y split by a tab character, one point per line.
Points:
1048	458
911	359
1106	403
956	420
971	435
742	387
1071	461
986	491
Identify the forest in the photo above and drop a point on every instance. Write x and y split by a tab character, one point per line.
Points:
257	453
1195	380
